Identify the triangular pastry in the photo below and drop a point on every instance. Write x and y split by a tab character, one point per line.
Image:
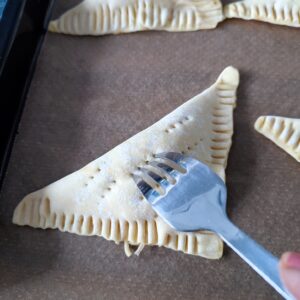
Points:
102	198
284	132
282	12
98	17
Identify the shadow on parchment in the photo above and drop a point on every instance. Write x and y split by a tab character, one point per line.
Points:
25	253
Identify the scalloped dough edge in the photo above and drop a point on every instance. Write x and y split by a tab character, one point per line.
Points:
99	17
284	132
280	12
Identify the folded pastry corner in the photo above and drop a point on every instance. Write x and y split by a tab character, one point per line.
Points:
281	12
99	17
102	198
284	132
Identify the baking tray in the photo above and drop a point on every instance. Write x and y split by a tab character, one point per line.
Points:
22	29
87	95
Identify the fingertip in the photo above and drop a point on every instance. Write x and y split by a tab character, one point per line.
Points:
291	280
284	259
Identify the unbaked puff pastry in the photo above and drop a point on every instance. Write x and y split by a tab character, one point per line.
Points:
99	17
284	132
282	12
102	198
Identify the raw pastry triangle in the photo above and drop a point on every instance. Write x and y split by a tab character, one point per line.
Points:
282	12
102	198
284	132
98	17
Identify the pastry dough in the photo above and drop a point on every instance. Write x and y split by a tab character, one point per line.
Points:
282	12
102	198
98	17
284	132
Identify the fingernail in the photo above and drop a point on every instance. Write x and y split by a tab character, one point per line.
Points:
291	260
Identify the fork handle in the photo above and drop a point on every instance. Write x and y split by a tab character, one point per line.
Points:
262	261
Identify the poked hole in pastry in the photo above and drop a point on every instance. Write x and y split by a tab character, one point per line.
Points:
178	123
192	147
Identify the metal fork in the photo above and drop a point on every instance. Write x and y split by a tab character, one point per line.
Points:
189	196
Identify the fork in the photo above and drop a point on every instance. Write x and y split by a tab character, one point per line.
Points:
189	196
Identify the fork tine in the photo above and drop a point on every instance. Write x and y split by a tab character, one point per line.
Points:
156	177
143	186
152	180
163	170
172	160
159	175
174	156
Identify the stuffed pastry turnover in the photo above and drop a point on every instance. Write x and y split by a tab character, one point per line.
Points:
284	132
281	12
99	17
102	198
